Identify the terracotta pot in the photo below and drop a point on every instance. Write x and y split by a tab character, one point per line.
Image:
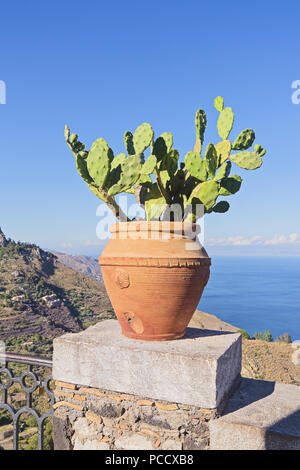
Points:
154	274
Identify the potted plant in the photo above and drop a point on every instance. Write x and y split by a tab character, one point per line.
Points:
155	269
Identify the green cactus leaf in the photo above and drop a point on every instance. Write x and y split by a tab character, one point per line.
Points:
118	160
198	146
142	138
207	193
144	180
149	165
223	171
160	148
211	160
131	170
155	203
67	133
262	152
230	185
165	177
128	141
200	123
177	181
115	170
219	103
247	160
168	138
223	149
81	166
170	161
73	138
257	148
225	123
244	140
221	207
83	154
98	163
196	166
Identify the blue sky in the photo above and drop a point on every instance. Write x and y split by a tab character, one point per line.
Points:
105	67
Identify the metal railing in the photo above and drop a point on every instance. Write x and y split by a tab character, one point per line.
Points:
43	384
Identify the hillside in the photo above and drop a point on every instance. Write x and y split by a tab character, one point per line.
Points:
84	264
41	298
260	359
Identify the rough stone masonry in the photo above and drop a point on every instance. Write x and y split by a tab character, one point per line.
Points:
116	393
113	393
87	418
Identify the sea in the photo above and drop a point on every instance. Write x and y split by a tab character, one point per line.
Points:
255	294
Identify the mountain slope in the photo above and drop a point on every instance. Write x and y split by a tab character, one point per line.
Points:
41	298
84	264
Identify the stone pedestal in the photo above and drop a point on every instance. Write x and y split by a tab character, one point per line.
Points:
117	393
200	369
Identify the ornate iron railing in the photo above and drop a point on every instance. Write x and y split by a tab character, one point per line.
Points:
36	383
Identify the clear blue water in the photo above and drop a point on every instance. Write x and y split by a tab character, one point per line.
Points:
255	294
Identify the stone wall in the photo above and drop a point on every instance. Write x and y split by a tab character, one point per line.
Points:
87	418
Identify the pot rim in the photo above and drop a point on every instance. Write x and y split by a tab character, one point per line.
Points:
157	226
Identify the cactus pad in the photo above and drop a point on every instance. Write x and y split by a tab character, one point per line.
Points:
128	141
223	171
247	160
142	138
200	123
244	140
82	169
230	185
98	164
207	193
223	149
219	103
225	123
211	160
149	165
196	165
131	170
221	207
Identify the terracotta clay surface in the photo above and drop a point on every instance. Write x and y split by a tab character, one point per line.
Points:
154	274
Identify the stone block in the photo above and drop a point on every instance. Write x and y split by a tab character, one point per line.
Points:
134	441
200	369
260	416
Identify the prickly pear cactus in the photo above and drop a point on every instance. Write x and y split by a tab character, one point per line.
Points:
142	138
149	165
230	185
223	149
225	123
221	207
200	124
247	160
196	166
98	162
219	103
131	170
223	171
207	193
211	160
157	182
128	141
244	140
